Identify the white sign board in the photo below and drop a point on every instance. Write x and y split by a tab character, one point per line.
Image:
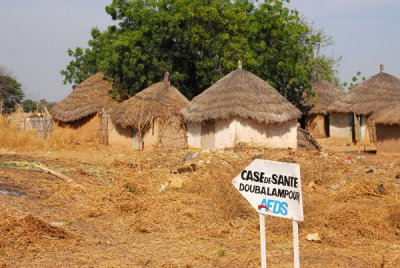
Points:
272	188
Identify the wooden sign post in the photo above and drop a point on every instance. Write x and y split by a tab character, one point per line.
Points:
274	189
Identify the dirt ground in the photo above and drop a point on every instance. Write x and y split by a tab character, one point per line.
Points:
128	209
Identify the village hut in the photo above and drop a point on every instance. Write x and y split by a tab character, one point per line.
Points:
373	95
82	110
241	108
387	125
152	117
316	116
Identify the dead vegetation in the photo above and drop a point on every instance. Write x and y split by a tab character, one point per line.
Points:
13	138
133	210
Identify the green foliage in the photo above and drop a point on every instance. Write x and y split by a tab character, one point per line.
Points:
222	253
355	80
21	165
198	42
133	191
29	106
10	91
32	106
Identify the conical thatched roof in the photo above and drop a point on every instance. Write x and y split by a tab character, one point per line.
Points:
388	116
89	97
374	94
326	94
241	93
159	100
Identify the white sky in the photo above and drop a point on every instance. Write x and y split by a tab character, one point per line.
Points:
35	35
366	33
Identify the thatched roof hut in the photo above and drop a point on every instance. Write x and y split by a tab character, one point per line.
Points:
325	94
241	108
89	97
388	116
387	126
372	95
240	93
159	100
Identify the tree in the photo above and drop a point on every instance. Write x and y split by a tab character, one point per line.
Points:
10	90
41	104
200	41
355	80
29	105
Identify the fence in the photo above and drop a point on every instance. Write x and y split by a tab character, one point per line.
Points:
43	124
104	119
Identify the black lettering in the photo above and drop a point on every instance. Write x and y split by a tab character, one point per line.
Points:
273	192
262	177
288	193
287	181
243	174
274	178
263	190
280	180
281	193
249	175
295	182
256	176
241	187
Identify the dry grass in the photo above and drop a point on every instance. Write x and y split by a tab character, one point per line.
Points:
13	138
61	137
121	219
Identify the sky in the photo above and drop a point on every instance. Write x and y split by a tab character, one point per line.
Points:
36	34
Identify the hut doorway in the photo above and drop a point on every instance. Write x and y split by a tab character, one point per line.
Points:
208	135
326	125
359	128
362	127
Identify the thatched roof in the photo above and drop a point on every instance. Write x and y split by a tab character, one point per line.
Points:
388	116
326	94
159	100
89	97
374	94
241	93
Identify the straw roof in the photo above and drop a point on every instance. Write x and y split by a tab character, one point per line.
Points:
388	116
241	93
326	94
159	100
89	97
374	94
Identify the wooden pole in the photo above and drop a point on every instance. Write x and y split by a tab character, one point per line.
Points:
296	250
263	242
